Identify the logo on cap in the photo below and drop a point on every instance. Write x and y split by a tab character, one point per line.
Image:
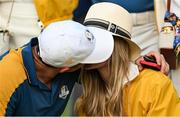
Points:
89	35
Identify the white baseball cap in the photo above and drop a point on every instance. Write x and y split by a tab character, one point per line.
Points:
68	43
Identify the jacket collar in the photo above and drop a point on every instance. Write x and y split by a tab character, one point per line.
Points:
29	62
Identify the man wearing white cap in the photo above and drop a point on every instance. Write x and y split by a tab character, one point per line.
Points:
33	79
38	78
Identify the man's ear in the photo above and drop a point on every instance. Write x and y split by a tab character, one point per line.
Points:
64	69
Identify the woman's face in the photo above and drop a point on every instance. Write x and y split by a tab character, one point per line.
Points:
95	66
102	68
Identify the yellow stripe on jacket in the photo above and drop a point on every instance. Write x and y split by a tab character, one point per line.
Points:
12	74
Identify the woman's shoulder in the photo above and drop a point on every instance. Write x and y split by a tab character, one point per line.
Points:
148	82
152	73
148	76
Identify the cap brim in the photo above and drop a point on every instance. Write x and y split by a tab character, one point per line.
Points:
103	47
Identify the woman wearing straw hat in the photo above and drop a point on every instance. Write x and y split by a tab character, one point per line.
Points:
144	31
114	87
144	25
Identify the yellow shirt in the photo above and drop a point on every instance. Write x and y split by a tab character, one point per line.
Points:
55	10
151	93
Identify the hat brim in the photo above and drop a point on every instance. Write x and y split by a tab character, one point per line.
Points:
134	48
103	47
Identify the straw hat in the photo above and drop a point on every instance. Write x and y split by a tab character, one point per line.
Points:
115	19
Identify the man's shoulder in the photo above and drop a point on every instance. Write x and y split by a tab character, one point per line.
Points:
11	63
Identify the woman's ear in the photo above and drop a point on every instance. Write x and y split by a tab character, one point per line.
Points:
64	69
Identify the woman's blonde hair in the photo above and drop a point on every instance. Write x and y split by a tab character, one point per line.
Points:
101	98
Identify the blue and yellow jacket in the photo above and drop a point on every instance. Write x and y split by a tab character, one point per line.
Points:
21	93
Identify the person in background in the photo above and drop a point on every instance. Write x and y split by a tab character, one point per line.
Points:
19	18
57	10
24	19
81	10
160	10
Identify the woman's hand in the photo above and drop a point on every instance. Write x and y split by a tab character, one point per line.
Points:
159	59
